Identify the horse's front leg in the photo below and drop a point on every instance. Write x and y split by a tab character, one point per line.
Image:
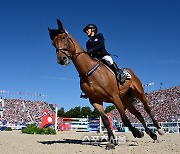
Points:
99	107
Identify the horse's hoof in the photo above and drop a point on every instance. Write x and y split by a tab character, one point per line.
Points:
160	131
139	134
115	143
142	134
110	146
153	136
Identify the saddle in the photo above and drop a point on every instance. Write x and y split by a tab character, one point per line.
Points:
118	75
121	74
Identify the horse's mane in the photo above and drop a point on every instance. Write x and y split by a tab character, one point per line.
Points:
77	45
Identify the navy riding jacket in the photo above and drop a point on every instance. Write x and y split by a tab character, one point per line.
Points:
95	46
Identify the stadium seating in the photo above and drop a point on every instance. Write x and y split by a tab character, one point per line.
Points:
164	104
18	112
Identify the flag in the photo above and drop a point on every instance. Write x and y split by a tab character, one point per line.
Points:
151	84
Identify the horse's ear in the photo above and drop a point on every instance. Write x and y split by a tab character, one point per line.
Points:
60	26
49	29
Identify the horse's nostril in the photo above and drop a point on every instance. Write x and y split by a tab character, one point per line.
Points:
64	58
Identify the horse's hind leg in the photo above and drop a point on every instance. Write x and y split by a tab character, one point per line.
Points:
139	93
133	110
148	110
125	120
99	107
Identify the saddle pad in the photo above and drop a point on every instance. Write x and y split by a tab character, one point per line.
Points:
127	74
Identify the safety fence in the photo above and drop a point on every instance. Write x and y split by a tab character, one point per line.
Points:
168	127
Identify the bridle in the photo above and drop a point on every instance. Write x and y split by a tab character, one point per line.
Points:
63	50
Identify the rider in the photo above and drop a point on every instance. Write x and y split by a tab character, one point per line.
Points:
96	49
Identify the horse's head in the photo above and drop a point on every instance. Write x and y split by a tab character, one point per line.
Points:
63	44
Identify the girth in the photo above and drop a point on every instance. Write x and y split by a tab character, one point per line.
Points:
90	71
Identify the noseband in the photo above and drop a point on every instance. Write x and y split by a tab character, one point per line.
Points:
66	49
63	51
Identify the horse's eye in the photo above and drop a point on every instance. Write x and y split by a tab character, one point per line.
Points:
64	38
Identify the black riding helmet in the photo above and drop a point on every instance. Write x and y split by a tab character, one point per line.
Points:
90	26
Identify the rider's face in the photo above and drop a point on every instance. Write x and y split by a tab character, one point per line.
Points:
90	32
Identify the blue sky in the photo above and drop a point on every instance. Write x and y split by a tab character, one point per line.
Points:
144	34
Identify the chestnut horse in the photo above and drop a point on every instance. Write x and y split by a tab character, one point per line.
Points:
100	85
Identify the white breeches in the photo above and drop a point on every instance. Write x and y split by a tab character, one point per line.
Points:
108	59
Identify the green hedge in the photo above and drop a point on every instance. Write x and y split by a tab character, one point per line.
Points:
8	129
33	129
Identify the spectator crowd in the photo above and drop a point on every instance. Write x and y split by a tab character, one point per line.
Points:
164	104
22	112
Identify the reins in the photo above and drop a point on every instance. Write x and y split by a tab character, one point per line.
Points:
69	56
63	50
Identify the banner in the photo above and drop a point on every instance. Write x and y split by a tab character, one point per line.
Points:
47	119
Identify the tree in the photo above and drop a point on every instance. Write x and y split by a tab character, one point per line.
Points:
52	107
79	112
61	112
74	112
95	114
109	108
86	111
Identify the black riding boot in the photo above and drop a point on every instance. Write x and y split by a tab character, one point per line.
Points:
121	77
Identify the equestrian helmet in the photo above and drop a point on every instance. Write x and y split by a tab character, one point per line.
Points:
90	26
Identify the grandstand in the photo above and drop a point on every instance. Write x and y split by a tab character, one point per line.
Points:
164	104
17	112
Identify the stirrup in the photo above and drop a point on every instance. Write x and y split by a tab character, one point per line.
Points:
83	96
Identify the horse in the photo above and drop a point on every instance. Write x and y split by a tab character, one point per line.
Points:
100	84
